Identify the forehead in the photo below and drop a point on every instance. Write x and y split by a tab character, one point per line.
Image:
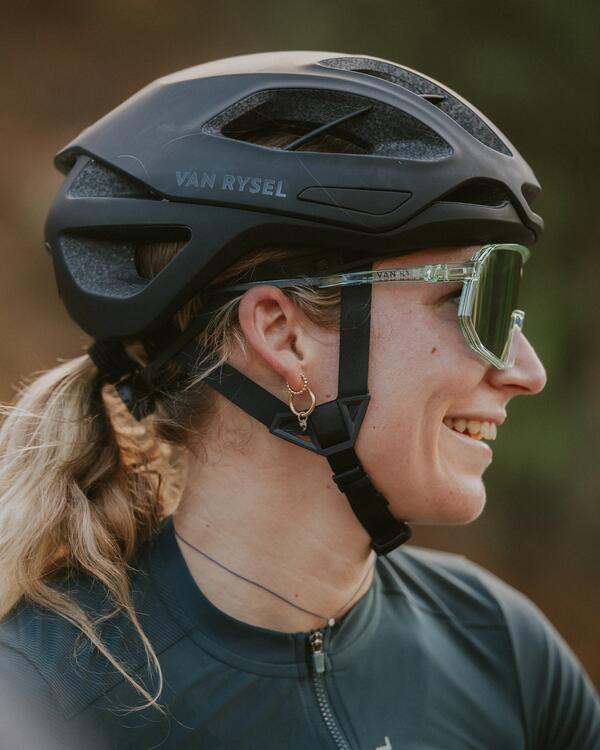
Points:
446	254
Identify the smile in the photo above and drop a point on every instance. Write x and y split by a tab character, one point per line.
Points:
466	438
474	428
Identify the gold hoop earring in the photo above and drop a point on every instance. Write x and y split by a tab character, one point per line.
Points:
303	414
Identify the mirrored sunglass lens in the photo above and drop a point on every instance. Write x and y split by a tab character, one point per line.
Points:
496	298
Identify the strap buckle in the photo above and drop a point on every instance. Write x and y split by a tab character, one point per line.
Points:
371	508
383	547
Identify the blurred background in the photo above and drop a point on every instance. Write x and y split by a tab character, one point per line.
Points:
532	66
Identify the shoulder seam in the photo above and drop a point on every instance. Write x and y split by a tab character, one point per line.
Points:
475	581
513	652
184	633
121	681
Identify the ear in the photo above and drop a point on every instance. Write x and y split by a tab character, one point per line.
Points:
277	333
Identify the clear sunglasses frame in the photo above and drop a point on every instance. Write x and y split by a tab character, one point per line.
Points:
468	272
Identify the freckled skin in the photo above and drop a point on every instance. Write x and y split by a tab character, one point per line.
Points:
427	473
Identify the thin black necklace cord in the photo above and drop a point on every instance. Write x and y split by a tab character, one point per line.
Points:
330	620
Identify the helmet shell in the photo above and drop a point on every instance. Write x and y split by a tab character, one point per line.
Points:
178	160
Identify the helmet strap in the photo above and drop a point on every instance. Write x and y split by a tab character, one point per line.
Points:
332	428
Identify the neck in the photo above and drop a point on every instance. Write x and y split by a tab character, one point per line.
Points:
269	511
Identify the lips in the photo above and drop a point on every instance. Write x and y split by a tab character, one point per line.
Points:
467	439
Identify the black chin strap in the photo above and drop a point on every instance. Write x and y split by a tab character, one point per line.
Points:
332	428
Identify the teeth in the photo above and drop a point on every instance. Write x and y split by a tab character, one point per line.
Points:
489	430
475	428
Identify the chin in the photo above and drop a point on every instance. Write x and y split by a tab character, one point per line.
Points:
465	507
464	518
456	507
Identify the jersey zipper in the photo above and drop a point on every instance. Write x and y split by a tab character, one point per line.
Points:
317	657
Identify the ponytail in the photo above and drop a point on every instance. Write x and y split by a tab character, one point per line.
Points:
67	504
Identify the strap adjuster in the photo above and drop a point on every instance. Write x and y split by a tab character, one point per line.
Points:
382	548
352	479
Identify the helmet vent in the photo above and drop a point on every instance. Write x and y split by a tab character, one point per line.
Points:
104	267
428	90
107	261
333	136
480	193
98	181
328	121
387	76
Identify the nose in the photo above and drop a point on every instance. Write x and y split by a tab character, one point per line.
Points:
527	377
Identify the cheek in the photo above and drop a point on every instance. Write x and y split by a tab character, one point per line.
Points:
419	367
403	372
413	353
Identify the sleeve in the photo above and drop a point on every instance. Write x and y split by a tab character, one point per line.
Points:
561	706
29	715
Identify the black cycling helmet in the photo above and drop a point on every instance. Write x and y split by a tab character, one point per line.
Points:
417	167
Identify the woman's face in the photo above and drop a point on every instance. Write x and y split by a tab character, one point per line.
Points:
422	371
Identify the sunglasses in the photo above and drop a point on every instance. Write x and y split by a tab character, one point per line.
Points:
487	310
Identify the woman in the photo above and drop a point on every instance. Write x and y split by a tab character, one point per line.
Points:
233	238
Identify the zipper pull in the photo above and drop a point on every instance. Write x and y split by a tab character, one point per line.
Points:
317	655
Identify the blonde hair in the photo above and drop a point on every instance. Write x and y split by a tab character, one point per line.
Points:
83	485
